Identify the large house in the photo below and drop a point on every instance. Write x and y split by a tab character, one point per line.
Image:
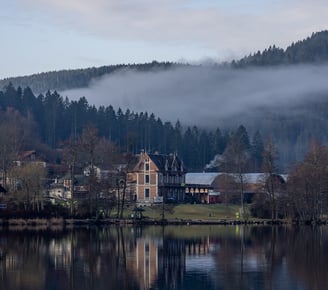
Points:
159	177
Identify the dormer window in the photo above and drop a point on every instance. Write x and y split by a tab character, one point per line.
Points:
174	165
166	166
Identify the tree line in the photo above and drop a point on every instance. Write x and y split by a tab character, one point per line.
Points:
45	122
313	49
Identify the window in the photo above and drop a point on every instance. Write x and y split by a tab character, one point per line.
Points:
147	178
146	193
147	166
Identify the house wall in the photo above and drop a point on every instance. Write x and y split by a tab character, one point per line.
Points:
56	192
147	168
59	193
196	193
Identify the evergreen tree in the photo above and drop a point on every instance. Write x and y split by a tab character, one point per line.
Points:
256	152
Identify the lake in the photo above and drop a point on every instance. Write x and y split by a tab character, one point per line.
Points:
171	257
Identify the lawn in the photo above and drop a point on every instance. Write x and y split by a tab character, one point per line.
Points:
192	211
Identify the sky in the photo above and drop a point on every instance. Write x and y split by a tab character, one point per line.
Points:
47	35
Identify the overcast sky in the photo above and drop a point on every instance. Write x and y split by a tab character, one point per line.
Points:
44	35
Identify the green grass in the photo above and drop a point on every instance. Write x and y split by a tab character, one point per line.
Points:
192	211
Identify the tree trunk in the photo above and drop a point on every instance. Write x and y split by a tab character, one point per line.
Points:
122	201
118	200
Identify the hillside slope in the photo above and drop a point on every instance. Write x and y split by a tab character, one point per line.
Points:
77	78
313	49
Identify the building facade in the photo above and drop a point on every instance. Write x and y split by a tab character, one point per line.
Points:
159	177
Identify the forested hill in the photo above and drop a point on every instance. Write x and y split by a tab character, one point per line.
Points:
45	123
76	78
313	49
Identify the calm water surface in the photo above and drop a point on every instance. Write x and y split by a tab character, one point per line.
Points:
190	257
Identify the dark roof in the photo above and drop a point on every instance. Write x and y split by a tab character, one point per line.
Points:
2	189
26	154
167	162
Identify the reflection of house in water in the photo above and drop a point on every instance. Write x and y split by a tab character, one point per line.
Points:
146	262
199	256
197	247
60	252
166	259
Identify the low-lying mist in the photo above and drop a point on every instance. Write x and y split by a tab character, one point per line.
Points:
208	96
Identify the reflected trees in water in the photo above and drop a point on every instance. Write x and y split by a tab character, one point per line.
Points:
194	257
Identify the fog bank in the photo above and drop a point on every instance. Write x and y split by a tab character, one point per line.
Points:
207	96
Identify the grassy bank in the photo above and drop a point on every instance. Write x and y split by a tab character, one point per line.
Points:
173	214
190	212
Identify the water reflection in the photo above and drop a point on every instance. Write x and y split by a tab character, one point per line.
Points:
194	257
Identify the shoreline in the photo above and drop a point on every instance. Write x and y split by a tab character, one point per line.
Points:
61	223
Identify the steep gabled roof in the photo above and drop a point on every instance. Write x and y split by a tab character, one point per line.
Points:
26	154
167	162
171	163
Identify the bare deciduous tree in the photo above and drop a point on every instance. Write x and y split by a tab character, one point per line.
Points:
89	141
70	157
236	160
269	169
123	180
14	131
30	181
308	184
